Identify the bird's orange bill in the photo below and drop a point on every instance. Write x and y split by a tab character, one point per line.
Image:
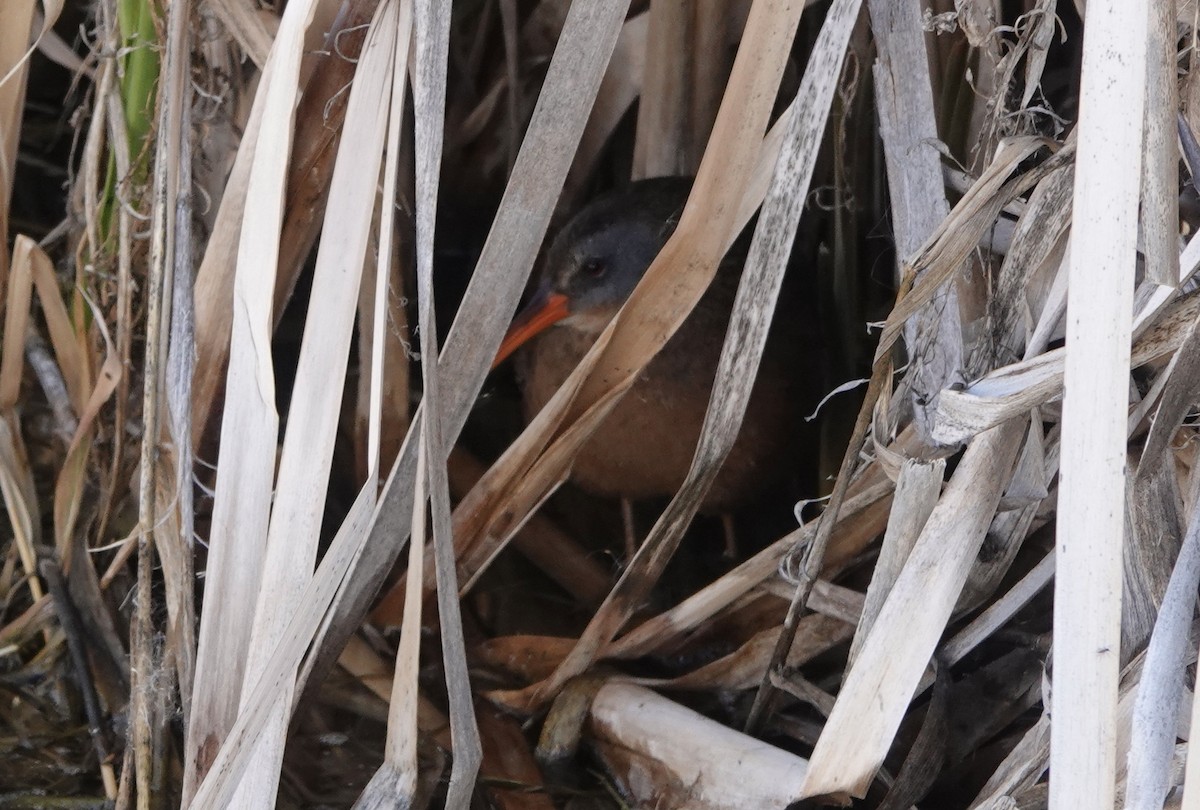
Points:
538	316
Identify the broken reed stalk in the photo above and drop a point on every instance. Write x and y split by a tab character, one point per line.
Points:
1087	604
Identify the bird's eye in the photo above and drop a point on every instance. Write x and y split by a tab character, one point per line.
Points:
593	268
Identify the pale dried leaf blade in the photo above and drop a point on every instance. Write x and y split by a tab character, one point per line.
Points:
249	427
307	453
66	339
69	488
863	517
234	755
431	24
881	683
917	492
18	298
661	146
18	19
51	9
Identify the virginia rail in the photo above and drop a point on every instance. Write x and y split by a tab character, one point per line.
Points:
645	446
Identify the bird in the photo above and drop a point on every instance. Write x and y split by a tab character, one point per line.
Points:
645	445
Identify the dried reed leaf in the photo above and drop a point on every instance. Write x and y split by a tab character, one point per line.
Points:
1039	231
1040	40
1019	512
69	345
834	601
166	476
744	668
1020	770
1014	389
1100	300
228	763
557	554
530	658
176	557
247	23
21	16
862	518
307	453
241	507
32	267
917	491
958	234
509	765
1050	309
998	613
1151	299
20	499
621	86
313	139
18	20
396	781
1181	381
215	280
69	488
18	298
327	74
180	365
1154	528
432	29
878	688
663	145
382	415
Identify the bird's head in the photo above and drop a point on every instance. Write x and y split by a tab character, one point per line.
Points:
597	259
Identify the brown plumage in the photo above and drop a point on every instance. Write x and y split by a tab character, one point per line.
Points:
645	446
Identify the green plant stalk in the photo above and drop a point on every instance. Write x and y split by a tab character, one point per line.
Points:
138	82
139	79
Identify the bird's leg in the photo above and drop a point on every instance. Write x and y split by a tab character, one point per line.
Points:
731	546
631	538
